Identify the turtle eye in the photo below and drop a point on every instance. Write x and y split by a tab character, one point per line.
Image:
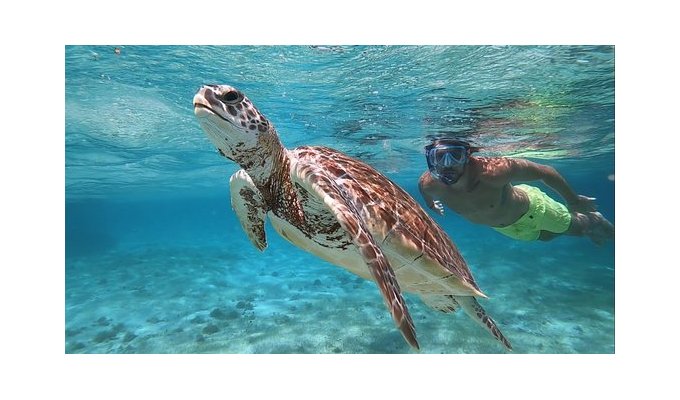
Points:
231	96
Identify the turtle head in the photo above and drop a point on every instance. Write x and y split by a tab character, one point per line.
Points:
232	123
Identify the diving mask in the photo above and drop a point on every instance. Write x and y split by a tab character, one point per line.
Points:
443	160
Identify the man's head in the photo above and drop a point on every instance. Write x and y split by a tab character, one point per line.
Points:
447	158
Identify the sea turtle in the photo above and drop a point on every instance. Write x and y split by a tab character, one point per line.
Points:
340	209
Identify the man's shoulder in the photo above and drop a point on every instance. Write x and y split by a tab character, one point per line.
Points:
429	183
492	165
425	178
495	170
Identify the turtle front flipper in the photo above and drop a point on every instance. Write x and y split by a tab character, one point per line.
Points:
344	210
247	202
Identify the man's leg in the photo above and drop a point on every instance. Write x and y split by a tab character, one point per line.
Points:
579	224
547	235
599	230
593	225
578	227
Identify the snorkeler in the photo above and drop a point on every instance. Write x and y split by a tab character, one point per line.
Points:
480	190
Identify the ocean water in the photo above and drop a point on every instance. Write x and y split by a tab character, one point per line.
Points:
156	261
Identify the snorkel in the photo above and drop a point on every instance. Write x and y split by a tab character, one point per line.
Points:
447	158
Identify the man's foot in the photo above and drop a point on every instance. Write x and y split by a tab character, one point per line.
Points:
599	229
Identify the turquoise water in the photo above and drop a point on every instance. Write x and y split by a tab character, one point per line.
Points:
156	261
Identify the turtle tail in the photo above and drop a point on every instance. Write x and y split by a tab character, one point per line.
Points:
444	303
477	313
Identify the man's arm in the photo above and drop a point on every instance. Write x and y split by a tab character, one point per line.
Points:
423	185
525	170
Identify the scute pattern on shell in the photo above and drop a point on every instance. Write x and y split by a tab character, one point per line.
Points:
390	214
343	206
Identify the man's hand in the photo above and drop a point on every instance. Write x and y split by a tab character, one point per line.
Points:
438	207
583	204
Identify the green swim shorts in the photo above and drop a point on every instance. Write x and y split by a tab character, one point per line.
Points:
544	214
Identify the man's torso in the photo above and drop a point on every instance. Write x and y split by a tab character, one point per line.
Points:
481	201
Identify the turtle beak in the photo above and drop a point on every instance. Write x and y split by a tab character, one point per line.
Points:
202	100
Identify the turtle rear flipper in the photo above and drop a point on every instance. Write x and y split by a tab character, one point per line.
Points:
346	213
477	313
247	202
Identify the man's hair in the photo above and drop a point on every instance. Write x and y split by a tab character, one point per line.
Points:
456	142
